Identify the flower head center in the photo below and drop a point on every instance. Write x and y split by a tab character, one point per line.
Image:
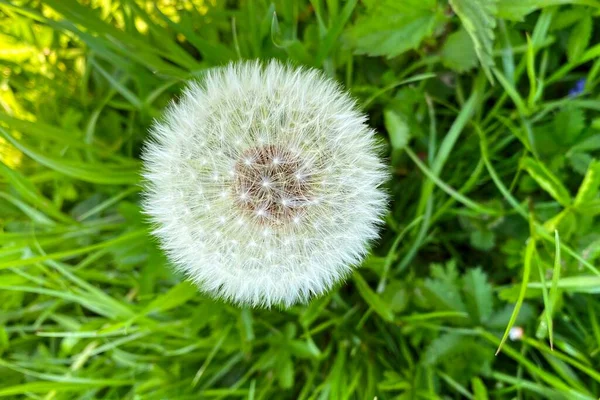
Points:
272	184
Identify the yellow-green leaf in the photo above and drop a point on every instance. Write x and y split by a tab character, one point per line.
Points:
588	190
547	180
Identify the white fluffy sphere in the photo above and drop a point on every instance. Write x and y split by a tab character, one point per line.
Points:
263	182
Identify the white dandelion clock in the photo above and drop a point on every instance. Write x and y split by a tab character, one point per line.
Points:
263	182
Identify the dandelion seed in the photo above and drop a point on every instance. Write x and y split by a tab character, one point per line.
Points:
290	236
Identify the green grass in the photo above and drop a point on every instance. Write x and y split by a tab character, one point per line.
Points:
490	116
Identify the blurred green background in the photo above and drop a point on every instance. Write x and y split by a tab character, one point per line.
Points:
489	112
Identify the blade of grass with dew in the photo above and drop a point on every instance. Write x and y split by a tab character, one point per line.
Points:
546	316
530	251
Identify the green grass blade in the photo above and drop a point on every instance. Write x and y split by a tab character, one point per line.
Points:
547	313
453	193
530	252
554	287
74	252
372	299
94	173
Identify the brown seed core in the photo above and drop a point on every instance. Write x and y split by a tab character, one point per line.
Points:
272	184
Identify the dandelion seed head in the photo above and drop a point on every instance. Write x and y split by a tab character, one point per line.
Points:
274	174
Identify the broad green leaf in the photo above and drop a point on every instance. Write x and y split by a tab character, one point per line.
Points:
568	124
397	128
580	162
579	38
459	356
285	373
478	295
590	209
478	17
372	299
304	348
441	347
443	291
482	239
458	52
567	18
391	27
479	390
589	144
547	180
396	295
565	220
